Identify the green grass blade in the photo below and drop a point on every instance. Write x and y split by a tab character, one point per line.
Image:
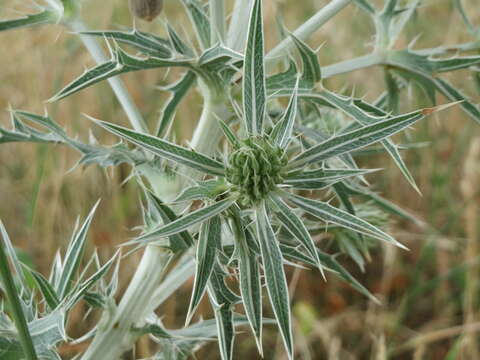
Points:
208	241
339	217
166	149
14	301
254	88
184	222
275	276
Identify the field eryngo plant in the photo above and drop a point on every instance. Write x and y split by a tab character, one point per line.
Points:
271	165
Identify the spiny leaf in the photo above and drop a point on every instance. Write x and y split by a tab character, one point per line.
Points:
177	43
357	139
296	227
166	149
159	211
342	218
254	88
275	276
146	43
47	290
178	92
311	68
44	17
231	137
184	222
250	284
319	179
74	256
202	190
121	63
200	21
282	132
208	242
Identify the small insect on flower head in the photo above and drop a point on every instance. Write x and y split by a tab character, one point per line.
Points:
146	9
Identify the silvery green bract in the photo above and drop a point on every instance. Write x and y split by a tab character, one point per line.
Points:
272	164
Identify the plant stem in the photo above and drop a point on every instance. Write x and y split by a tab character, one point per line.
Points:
217	20
96	51
305	30
360	62
237	32
114	333
16	306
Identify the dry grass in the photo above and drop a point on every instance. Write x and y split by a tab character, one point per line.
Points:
429	294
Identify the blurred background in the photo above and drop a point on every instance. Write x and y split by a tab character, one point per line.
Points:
429	294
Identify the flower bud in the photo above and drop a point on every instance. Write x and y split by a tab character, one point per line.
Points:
146	9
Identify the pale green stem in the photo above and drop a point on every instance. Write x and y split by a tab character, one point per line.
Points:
217	20
96	51
352	65
115	333
305	30
237	32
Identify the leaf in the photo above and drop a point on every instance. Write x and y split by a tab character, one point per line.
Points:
342	218
217	56
160	212
44	17
231	137
250	284
121	63
311	68
332	264
254	87
177	42
208	241
282	132
202	190
146	43
296	227
357	139
321	178
82	289
166	149
74	256
200	21
222	300
275	276
454	95
184	222
178	92
48	331
47	290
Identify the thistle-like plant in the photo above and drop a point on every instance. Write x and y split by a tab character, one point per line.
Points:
263	176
